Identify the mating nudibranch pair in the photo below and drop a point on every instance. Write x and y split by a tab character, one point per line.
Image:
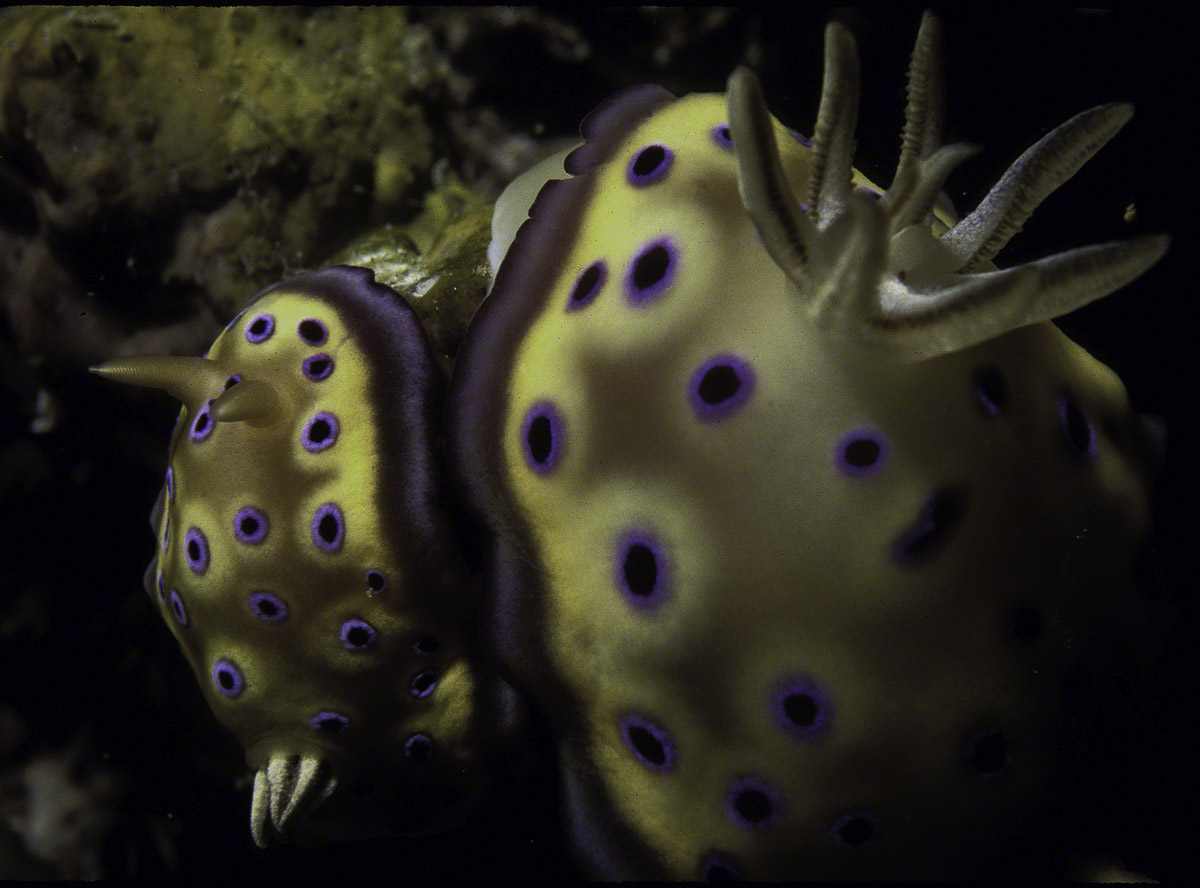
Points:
801	514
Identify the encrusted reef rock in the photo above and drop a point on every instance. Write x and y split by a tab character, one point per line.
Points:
156	164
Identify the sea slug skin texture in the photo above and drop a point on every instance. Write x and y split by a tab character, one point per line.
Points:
308	571
808	526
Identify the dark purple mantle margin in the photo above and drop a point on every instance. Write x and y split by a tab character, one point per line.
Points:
404	391
513	617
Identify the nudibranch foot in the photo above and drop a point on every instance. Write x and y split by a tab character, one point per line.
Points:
880	276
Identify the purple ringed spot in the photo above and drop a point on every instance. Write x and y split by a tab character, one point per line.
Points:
722	136
861	453
418	747
650	744
357	635
641	569
166	531
752	804
1077	429
160	585
587	286
328	528
250	526
312	331
802	707
720	387
260	328
542	435
177	608
423	684
329	722
232	381
318	367
195	550
267	607
649	165
928	534
376	582
227	677
170	485
320	432
651	271
203	424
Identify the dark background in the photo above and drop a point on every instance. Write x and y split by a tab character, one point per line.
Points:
84	649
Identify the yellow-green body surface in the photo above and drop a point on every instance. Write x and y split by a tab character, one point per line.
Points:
796	608
306	570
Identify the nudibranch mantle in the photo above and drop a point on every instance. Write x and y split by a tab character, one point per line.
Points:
307	569
804	514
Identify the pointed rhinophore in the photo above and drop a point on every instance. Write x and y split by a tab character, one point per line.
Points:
287	787
876	273
832	160
191	380
314	782
259	805
281	777
783	226
255	401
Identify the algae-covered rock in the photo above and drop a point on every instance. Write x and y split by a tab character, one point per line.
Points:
156	158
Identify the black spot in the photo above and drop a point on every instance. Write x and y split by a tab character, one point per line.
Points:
586	284
418	748
990	389
647	745
376	580
225	679
541	439
230	382
258	326
201	423
725	133
641	569
1026	624
266	607
716	870
319	431
328	528
193	548
249	525
317	366
753	805
651	267
330	724
861	452
648	160
801	709
989	753
311	332
856	831
938	518
427	646
719	384
358	636
423	684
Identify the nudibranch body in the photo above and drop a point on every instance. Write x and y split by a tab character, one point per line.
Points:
806	518
307	569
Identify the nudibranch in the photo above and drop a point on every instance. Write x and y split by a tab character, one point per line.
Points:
806	520
307	569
